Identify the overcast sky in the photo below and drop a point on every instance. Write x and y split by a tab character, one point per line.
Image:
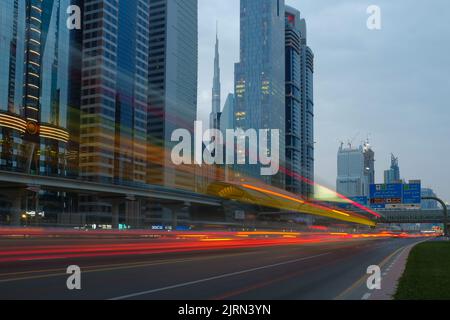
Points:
392	85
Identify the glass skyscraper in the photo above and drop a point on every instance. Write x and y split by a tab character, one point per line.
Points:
35	89
299	107
173	70
293	102
39	95
260	75
307	112
114	91
227	119
78	104
173	64
114	102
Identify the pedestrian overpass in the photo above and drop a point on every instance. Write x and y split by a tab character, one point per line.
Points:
412	216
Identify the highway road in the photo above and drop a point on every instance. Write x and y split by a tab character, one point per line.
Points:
323	268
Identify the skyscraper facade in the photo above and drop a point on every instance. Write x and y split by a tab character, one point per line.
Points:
260	75
114	91
227	119
114	100
299	106
307	112
228	115
352	180
95	103
39	99
173	64
293	101
35	87
216	101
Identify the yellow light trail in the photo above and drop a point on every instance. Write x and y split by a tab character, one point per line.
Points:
273	193
342	213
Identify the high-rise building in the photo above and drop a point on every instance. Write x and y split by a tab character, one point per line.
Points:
228	117
36	89
260	75
216	101
299	106
173	77
352	180
293	101
173	63
307	115
39	99
393	174
114	100
227	123
114	91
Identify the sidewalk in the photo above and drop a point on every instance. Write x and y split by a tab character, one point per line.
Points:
391	276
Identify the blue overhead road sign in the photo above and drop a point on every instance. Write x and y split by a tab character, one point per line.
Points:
395	195
412	194
385	194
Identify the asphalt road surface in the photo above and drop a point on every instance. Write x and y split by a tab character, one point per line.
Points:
322	270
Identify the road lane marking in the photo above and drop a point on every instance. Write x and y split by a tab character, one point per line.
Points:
223	276
364	278
112	267
366	296
58	272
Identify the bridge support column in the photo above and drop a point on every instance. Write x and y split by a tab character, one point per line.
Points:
70	216
16	208
115	214
174	212
133	212
171	215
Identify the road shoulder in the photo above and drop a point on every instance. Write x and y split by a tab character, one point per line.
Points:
391	276
391	268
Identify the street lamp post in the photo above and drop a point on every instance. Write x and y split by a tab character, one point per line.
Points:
444	207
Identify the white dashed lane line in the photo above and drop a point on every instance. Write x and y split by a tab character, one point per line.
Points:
366	296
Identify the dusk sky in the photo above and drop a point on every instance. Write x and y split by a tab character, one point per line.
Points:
392	85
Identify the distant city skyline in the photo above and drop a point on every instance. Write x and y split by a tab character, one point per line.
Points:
366	81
